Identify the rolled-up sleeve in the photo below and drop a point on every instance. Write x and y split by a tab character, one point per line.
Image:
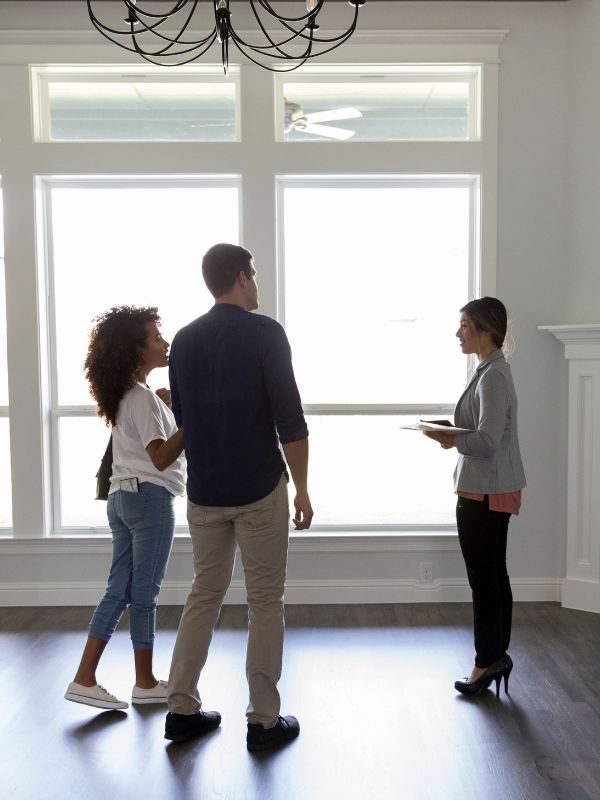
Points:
492	393
281	387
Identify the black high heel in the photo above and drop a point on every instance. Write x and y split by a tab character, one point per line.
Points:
508	665
493	673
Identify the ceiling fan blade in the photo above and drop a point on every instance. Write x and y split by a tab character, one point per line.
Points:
328	131
333	114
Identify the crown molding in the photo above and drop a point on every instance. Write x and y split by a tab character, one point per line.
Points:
393	37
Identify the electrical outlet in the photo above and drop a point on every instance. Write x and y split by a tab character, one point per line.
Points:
426	572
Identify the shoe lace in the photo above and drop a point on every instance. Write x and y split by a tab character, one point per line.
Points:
106	692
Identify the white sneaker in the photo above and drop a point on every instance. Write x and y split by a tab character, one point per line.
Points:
93	696
158	694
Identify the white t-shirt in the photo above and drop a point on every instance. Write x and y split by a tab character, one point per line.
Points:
143	417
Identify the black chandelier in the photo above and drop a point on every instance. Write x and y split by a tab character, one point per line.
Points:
144	33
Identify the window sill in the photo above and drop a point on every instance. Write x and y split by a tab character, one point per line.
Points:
300	542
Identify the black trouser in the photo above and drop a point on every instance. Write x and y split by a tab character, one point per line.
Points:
482	535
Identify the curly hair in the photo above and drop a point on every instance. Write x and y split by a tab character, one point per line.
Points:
113	355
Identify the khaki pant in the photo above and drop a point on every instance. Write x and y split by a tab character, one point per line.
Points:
261	530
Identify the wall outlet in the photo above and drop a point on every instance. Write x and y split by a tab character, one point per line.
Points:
426	572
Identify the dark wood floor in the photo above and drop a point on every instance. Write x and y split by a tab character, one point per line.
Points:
372	687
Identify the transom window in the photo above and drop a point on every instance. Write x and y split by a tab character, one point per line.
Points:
138	104
379	103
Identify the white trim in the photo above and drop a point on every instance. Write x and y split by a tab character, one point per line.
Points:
45	186
100	544
42	76
306	592
581	594
580	341
442	36
581	587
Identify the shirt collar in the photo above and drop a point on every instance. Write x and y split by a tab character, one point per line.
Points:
488	359
227	308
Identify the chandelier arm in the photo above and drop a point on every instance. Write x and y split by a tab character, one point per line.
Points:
165	50
176	40
276	45
340	39
264	66
265	50
296	34
150	59
179	5
102	28
271	11
316	53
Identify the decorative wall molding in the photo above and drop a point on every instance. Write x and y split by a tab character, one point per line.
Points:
581	587
368	46
306	592
465	36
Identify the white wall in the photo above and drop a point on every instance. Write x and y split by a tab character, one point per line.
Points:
531	279
583	161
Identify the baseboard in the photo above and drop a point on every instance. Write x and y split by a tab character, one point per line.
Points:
582	595
298	592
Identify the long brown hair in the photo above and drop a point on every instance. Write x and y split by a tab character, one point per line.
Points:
114	355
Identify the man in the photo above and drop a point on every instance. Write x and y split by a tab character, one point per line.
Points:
233	390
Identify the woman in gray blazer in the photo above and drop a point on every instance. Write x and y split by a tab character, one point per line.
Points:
488	480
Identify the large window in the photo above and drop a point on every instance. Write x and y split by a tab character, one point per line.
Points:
367	193
5	482
114	242
373	272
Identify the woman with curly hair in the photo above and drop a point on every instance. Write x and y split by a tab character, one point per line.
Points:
148	470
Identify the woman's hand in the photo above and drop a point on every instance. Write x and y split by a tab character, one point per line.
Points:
165	396
446	440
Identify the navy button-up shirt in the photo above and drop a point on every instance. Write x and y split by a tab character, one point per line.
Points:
233	389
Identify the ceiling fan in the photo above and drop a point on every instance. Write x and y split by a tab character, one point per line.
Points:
296	120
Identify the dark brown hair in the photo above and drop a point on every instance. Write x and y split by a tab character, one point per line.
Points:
114	355
221	265
488	314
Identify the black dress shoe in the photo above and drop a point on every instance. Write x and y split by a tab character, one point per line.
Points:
181	727
284	730
492	673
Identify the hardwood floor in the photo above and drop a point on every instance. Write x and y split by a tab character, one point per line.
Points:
373	689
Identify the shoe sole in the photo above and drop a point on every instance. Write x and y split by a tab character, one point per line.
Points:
90	701
141	701
257	748
184	737
180	738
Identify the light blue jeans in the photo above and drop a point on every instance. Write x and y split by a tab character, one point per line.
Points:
142	525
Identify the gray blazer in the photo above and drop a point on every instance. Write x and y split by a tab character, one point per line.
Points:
490	460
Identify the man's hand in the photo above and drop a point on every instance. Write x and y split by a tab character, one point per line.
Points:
303	512
445	439
165	396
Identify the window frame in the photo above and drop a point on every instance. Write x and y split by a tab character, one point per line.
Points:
41	76
473	184
258	159
4	409
386	73
57	410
